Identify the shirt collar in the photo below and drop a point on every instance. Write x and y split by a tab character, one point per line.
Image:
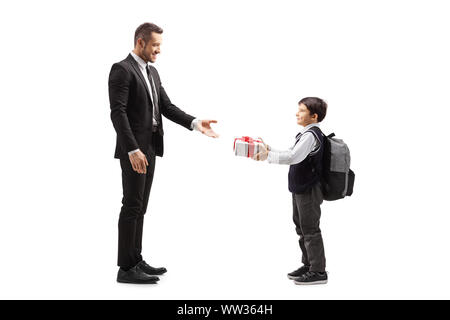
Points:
139	60
309	126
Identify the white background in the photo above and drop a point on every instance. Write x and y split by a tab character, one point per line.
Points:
222	225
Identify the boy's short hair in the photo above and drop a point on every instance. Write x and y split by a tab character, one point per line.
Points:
315	105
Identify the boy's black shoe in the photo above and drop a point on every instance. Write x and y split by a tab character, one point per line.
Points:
298	273
135	275
312	278
151	270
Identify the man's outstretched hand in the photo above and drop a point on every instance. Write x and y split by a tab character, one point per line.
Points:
204	126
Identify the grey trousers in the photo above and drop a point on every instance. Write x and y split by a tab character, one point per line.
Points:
306	215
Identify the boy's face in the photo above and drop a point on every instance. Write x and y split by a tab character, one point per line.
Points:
304	117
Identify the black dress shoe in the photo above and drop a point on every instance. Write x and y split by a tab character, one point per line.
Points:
151	270
135	275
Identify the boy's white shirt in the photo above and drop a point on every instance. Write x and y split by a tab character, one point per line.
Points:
297	153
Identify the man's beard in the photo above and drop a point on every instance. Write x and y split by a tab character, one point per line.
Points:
147	58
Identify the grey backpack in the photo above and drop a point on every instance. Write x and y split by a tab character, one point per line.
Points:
337	178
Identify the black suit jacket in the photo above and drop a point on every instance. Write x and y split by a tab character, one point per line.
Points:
132	109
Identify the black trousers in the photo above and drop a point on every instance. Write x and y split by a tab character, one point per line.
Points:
136	191
306	216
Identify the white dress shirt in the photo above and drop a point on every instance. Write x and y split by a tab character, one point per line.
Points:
296	154
142	67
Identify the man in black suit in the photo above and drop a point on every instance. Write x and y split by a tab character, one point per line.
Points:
137	101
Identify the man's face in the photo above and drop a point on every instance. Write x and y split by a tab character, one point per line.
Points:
148	50
304	116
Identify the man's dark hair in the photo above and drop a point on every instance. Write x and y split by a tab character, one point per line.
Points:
145	30
315	105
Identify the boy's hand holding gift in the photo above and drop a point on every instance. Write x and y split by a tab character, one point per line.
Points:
263	151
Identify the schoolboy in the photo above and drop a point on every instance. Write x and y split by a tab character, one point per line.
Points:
305	160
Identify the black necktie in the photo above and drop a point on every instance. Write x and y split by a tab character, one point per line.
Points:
155	96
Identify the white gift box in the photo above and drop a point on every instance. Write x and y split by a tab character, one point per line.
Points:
247	146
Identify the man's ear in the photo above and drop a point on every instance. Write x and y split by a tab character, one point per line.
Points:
315	116
141	43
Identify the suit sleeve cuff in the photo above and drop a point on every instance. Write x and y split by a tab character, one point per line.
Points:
133	151
194	124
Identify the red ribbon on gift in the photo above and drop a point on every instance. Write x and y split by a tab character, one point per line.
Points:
250	141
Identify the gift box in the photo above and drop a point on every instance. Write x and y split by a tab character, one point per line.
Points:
247	146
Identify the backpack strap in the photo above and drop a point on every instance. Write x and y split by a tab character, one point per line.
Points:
297	138
316	135
315	131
